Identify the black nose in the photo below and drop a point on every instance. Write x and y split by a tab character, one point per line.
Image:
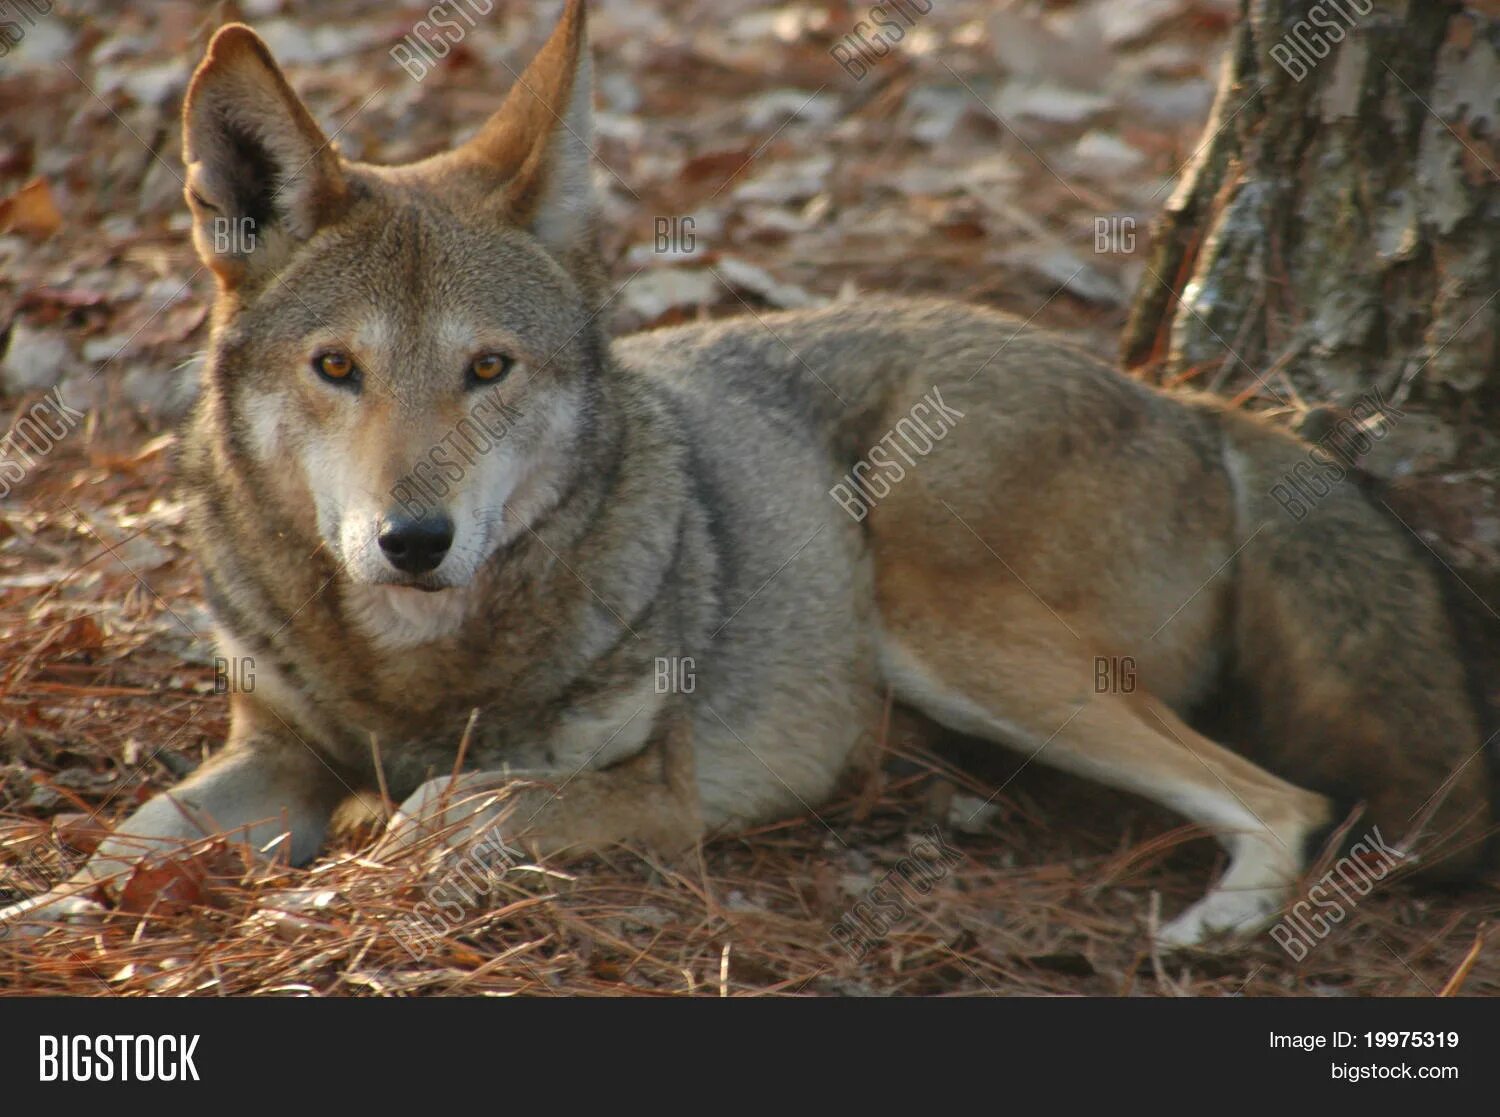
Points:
416	546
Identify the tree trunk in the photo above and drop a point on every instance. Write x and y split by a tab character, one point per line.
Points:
1338	229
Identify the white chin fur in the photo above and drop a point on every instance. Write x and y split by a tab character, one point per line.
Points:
398	617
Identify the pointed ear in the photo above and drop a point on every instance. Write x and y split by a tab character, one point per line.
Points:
540	143
261	176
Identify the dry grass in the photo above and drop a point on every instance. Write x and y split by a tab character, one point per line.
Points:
102	703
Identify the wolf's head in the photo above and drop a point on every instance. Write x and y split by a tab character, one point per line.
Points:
407	357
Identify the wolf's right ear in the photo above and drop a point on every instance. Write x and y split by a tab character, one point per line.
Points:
261	175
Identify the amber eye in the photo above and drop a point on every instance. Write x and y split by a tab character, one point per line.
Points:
334	364
489	367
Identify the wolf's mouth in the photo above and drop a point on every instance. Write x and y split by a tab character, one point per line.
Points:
414	584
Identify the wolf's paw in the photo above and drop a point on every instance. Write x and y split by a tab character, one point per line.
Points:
447	813
1224	917
40	914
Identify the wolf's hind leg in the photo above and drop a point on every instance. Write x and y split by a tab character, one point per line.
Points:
1034	690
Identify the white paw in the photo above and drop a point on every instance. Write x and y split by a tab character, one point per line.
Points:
446	813
40	914
1225	915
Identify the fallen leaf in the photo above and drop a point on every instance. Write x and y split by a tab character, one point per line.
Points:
79	831
165	887
31	211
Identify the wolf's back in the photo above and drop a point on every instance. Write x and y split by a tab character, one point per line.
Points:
1120	504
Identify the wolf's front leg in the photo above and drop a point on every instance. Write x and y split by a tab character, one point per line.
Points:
265	784
253	792
649	799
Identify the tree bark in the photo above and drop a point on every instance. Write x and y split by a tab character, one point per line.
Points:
1337	231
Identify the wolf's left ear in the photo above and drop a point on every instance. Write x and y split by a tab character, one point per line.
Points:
261	176
540	141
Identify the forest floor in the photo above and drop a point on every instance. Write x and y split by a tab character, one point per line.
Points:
1010	154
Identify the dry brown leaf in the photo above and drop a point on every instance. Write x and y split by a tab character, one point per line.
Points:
31	211
169	887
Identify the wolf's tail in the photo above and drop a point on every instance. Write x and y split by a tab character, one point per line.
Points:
1476	637
1362	656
